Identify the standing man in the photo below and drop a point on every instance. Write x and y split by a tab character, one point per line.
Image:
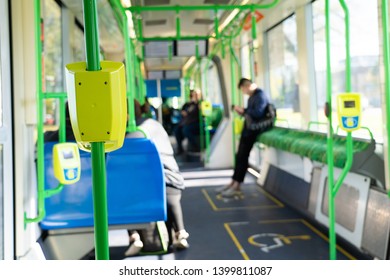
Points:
255	111
189	124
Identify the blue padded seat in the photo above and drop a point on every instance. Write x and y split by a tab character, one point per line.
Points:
135	183
135	189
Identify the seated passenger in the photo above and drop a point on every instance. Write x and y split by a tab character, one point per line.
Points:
188	127
173	179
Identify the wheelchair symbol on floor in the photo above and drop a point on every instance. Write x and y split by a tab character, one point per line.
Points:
272	241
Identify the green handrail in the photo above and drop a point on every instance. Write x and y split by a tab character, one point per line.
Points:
386	62
40	141
282	120
51	192
315	122
99	190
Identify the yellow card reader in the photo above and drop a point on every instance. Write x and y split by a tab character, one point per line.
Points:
206	108
349	111
66	163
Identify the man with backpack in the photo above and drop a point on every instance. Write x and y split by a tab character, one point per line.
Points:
259	116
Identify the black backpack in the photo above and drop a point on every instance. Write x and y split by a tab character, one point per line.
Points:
265	123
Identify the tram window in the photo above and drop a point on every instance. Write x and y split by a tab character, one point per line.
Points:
52	66
364	35
52	46
78	45
213	84
283	69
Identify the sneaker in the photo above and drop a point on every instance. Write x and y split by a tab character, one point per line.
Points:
231	192
222	189
134	248
181	238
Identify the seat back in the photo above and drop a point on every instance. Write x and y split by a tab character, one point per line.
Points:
135	175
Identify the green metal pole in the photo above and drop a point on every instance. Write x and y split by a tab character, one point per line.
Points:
331	208
97	148
139	23
62	132
39	100
207	118
252	49
178	26
170	51
386	62
216	24
238	100
91	34
334	187
233	96
253	17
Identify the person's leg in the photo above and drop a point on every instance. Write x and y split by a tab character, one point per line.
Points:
179	138
175	217
242	157
191	132
135	243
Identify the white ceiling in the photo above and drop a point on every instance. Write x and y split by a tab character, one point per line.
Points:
111	38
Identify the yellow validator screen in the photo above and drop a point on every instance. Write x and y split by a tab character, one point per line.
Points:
66	163
349	111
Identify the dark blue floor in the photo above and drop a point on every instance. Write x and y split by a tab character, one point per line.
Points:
256	226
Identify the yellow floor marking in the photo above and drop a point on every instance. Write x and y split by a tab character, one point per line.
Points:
236	242
215	208
271	197
345	253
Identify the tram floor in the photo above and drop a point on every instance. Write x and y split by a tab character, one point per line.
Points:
254	226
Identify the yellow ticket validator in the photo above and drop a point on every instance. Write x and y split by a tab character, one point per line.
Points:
66	163
97	104
206	108
349	111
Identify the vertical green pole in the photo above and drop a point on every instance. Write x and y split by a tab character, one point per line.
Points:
251	49
130	90
139	25
386	62
97	148
233	96
254	31
331	211
332	186
178	27
207	118
62	132
216	24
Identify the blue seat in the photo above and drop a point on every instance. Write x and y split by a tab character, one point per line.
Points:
135	175
135	189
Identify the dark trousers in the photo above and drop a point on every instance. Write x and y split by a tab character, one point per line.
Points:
247	141
189	131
